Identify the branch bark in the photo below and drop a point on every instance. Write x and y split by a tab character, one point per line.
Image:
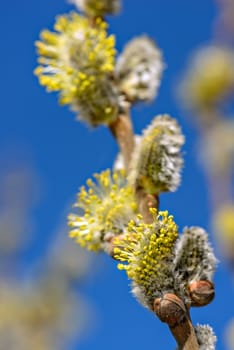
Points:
170	309
122	131
182	329
185	335
146	201
175	313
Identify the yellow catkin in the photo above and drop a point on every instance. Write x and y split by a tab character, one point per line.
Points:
145	248
108	204
77	60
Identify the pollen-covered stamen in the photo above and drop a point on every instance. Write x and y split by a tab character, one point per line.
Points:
78	61
148	249
107	206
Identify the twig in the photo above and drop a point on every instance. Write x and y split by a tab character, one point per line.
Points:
171	310
145	202
174	311
185	335
181	328
122	130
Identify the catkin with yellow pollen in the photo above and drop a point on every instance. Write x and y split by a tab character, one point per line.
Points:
95	8
77	60
209	79
223	223
108	205
148	250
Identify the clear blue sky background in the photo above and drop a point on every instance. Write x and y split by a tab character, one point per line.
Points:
64	152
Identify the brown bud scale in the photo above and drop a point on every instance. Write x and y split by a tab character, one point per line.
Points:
170	309
201	293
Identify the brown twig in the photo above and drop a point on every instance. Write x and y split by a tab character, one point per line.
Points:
122	130
145	202
185	335
171	310
181	328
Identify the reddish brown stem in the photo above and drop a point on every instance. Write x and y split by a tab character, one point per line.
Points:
185	335
122	130
182	328
171	310
145	202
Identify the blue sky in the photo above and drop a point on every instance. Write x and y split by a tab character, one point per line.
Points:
63	152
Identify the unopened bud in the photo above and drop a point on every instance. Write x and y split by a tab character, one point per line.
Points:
170	309
201	293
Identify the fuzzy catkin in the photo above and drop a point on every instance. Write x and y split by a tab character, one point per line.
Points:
157	161
148	251
106	208
77	60
139	69
205	337
194	259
